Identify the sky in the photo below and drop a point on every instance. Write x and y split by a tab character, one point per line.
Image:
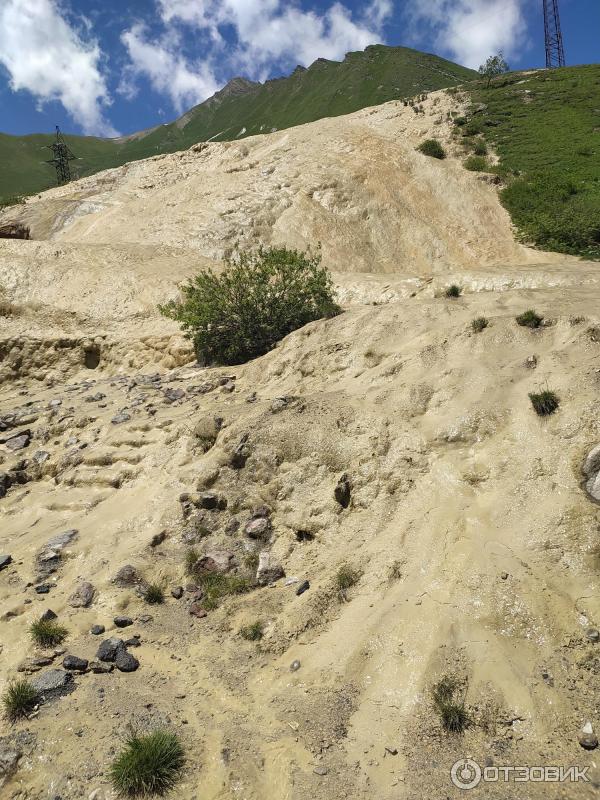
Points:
110	67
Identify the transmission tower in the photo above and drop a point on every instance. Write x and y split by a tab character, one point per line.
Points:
555	54
62	156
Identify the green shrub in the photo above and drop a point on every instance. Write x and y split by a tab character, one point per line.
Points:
47	632
472	128
453	291
529	319
433	148
154	594
544	403
476	164
452	711
19	699
346	577
149	764
15	200
460	121
479	324
480	148
259	298
253	632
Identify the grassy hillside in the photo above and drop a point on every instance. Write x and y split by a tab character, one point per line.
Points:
243	108
545	127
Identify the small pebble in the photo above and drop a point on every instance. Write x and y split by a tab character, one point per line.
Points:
295	665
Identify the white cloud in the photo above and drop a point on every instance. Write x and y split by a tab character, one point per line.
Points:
167	70
470	30
267	33
46	56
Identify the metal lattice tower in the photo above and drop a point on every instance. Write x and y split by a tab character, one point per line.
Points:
555	54
62	156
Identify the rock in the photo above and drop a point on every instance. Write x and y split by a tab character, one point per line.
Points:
206	431
592	635
99	667
295	665
241	453
531	362
279	404
320	770
43	588
171	395
133	642
41	456
158	539
109	649
121	417
48	558
125	662
258	528
591	472
5	560
177	592
75	663
303	587
97	630
208	500
228	387
196	610
53	683
221	561
393	751
48	615
9	760
123	622
587	738
19	442
5	484
504	576
343	491
268	571
82	596
128	577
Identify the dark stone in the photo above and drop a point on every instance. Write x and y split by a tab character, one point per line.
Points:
123	622
171	395
43	588
110	648
82	596
241	453
342	491
258	528
53	683
303	587
20	441
97	630
209	500
127	577
196	610
133	642
48	615
5	484
177	592
158	538
125	662
5	561
75	663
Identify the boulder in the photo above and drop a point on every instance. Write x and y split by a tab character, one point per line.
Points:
109	649
268	570
48	558
258	528
82	596
53	683
128	577
123	622
75	664
125	662
218	561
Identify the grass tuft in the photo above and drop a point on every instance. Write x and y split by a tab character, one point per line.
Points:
450	707
253	632
529	319
432	148
191	559
476	164
47	632
154	594
453	291
544	403
149	764
479	324
19	700
345	578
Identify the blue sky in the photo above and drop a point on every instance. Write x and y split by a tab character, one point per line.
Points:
106	67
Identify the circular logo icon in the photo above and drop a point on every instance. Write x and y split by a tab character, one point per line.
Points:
465	773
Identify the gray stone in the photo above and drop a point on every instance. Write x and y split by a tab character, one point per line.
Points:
127	577
177	592
125	662
591	471
121	417
110	648
268	570
295	665
100	667
5	560
48	615
320	770
50	555
82	596
75	663
97	630
123	622
589	741
53	683
258	528
9	760
19	442
171	395
40	456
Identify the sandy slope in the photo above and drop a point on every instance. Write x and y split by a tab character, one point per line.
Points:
458	488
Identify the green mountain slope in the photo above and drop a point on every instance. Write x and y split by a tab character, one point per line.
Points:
243	108
545	127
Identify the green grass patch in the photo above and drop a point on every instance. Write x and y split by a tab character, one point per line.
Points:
450	705
453	291
432	148
545	128
544	403
479	324
154	594
477	164
253	632
47	632
529	319
19	700
150	764
480	148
